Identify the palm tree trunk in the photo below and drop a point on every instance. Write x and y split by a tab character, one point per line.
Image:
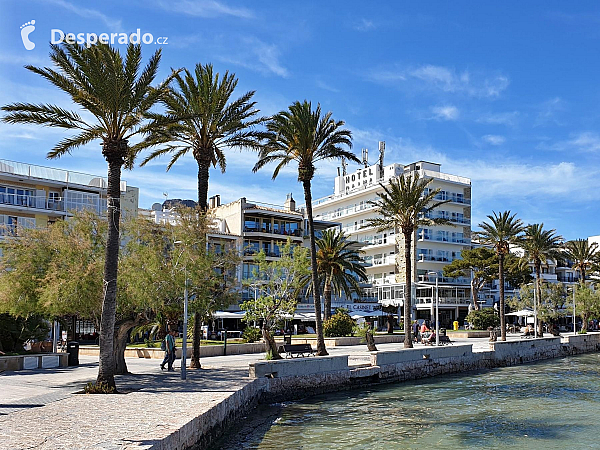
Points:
203	174
538	292
195	358
408	292
327	299
321	350
106	365
501	281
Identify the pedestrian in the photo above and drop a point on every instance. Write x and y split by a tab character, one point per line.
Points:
415	330
169	351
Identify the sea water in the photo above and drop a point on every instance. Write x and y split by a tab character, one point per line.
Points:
553	404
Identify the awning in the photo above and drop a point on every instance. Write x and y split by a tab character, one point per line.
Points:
228	315
363	314
522	313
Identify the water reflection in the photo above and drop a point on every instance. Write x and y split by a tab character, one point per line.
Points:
549	405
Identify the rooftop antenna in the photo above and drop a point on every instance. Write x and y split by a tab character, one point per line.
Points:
344	166
381	153
365	157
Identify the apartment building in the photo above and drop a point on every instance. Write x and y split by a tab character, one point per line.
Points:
33	196
433	246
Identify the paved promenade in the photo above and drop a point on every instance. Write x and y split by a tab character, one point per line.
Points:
37	405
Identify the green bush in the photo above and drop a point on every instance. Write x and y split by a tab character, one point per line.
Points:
483	318
150	344
340	324
251	334
14	331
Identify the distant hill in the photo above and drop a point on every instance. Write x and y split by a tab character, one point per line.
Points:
179	202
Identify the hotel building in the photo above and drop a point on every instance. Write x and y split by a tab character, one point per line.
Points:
433	246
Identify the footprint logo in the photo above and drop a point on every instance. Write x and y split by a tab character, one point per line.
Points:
26	30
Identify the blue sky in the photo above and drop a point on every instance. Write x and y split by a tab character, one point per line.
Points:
506	93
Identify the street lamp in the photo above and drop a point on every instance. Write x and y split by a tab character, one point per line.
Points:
437	307
574	321
185	321
534	306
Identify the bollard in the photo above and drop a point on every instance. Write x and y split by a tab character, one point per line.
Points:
225	343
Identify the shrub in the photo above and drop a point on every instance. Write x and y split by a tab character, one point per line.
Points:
150	344
483	318
340	324
99	388
251	334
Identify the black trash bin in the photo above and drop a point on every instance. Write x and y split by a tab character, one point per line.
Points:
73	351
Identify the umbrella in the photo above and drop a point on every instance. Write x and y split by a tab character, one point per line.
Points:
522	313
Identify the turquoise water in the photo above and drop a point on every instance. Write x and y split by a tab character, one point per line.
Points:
549	405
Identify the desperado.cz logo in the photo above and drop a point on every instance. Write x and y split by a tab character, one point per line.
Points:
58	36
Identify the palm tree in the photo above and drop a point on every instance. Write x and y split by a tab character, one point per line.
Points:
540	245
306	137
339	266
583	256
503	230
405	206
119	97
202	119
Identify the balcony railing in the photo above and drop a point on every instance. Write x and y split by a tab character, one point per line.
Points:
47	173
52	204
295	233
449	239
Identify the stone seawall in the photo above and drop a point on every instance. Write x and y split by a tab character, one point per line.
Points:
292	379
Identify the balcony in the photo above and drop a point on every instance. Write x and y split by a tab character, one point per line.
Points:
429	301
388	260
292	233
449	218
423	258
448	240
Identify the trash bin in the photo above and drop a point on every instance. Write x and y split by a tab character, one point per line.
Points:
73	351
455	325
287	339
442	332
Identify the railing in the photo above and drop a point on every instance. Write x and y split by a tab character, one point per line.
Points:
52	204
449	240
295	233
422	258
384	261
444	176
456	280
60	175
444	300
449	218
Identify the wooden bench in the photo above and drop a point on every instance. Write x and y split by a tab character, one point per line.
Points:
297	350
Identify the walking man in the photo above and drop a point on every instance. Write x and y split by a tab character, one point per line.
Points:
169	351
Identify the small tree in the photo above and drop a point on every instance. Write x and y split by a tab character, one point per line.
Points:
281	281
482	319
587	304
550	305
481	263
340	324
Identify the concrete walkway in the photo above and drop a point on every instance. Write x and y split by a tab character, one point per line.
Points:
36	405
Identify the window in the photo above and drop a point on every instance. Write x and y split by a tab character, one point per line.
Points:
251	224
249	271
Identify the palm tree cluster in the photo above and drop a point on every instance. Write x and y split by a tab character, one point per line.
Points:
200	116
504	230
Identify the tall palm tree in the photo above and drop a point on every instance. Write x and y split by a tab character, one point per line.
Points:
583	256
302	135
119	97
203	119
540	245
405	205
502	230
339	266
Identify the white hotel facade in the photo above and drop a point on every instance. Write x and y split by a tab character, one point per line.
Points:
434	246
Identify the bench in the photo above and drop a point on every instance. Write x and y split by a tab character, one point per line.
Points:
444	340
297	350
